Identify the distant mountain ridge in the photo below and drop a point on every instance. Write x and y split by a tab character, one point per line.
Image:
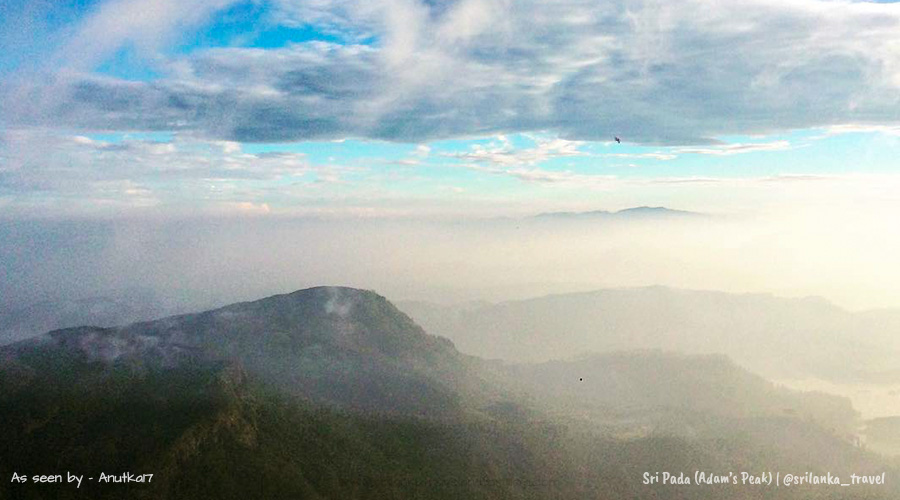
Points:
643	212
775	337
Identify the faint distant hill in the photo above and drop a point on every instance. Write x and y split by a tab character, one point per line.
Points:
25	322
776	337
883	435
636	213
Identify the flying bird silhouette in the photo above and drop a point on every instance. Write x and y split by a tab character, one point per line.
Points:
618	140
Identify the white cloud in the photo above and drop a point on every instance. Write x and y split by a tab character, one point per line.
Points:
890	130
558	178
504	154
566	178
39	162
148	26
643	156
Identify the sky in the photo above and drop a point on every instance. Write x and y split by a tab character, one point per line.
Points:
221	150
447	108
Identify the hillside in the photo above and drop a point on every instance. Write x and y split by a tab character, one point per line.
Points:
641	391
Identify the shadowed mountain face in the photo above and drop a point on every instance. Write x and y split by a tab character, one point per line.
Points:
334	393
779	338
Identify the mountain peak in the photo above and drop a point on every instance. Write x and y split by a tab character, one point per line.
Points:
332	344
337	301
333	318
646	210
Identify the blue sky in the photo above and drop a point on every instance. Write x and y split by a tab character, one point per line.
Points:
419	107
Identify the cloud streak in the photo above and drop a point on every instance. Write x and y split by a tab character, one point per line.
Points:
736	149
44	171
48	160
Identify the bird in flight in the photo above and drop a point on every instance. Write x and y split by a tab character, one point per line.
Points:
618	140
